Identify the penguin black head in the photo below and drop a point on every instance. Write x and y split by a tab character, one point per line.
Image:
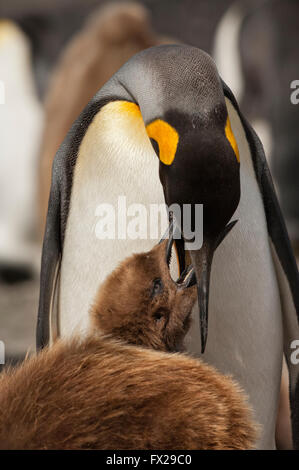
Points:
204	170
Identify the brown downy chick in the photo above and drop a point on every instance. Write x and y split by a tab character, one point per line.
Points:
140	303
101	393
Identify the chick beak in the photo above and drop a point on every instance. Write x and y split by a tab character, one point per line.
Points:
187	278
173	236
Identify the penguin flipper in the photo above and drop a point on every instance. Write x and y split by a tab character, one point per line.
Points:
275	221
284	260
50	267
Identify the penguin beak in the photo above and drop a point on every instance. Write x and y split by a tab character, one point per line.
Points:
173	232
202	262
198	272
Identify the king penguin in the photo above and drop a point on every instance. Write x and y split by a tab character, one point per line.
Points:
166	128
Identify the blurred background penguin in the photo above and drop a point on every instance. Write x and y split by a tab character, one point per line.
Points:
55	56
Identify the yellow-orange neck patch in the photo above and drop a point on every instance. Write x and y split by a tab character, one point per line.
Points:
231	138
7	29
166	137
128	107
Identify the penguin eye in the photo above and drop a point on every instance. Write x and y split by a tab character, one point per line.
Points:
157	287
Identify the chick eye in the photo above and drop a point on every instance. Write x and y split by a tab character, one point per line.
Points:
157	287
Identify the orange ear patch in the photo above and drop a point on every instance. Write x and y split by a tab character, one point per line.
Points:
166	137
231	138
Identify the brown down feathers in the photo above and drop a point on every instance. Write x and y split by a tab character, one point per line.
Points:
100	393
